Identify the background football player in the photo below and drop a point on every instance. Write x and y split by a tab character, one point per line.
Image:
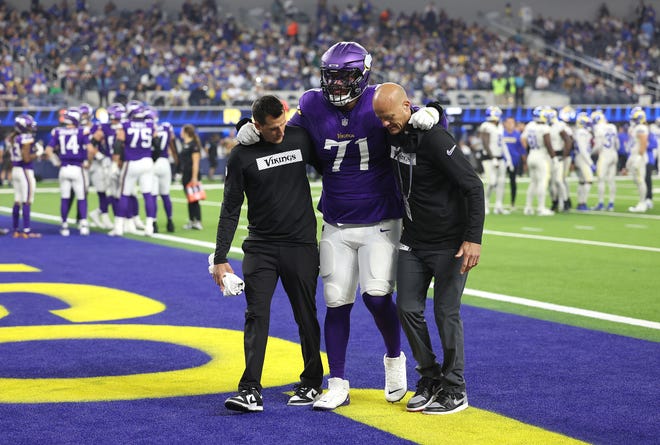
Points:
636	165
72	146
497	159
606	144
536	139
24	150
562	142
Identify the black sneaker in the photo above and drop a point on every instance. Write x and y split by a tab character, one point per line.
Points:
424	396
247	401
155	227
447	402
304	395
170	226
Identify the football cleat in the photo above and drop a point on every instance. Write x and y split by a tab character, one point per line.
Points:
106	222
336	395
64	230
396	381
639	208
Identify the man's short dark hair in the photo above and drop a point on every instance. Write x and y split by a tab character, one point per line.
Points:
265	106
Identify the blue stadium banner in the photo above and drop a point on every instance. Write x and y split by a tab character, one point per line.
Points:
227	116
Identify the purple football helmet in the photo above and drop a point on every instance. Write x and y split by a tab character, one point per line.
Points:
135	110
150	114
86	111
25	123
71	116
116	111
345	69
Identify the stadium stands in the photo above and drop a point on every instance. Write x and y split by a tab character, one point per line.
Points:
200	57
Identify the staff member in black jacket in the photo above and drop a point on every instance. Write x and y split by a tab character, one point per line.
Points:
281	244
441	239
189	161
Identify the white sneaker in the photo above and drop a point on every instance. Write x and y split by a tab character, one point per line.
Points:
336	395
545	212
105	220
500	211
528	211
649	203
64	230
396	381
196	225
639	208
95	217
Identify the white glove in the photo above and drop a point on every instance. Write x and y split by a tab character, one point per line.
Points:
38	149
99	156
248	134
424	118
55	160
114	170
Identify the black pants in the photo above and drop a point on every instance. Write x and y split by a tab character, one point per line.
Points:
414	273
194	209
298	268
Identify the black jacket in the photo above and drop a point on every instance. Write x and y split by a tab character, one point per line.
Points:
274	180
445	196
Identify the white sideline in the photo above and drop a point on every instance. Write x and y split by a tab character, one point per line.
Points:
564	309
572	240
473	292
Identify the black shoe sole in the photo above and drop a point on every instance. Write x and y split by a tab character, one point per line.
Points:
242	408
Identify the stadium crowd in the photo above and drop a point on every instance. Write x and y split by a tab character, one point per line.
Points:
206	57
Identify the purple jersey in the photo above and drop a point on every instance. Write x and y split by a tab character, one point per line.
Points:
70	144
17	149
359	186
139	137
109	136
165	132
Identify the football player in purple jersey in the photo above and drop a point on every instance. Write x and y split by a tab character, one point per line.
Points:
361	209
162	154
99	170
116	115
23	151
132	150
72	146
